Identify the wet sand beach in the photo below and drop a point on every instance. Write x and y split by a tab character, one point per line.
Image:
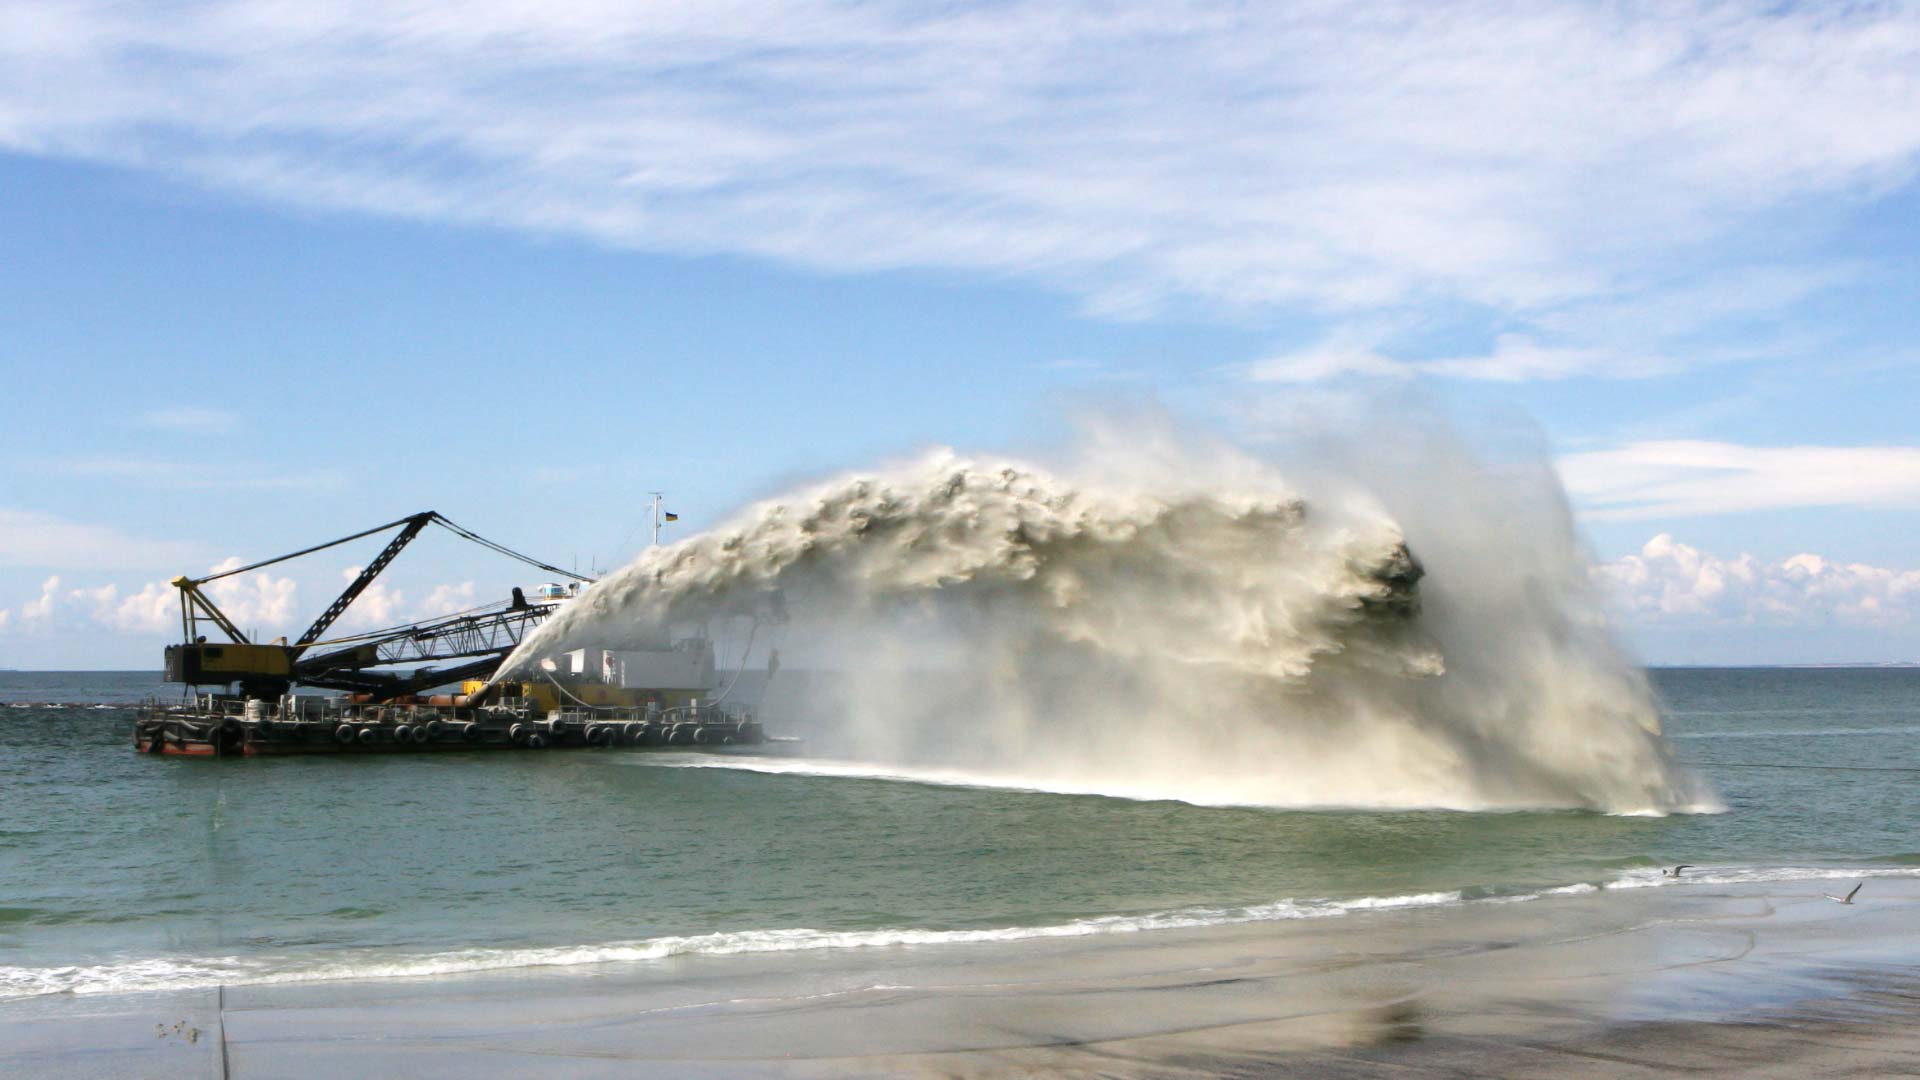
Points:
1753	979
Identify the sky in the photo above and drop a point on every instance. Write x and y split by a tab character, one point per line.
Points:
272	272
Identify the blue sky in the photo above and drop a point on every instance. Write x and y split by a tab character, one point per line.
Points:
271	272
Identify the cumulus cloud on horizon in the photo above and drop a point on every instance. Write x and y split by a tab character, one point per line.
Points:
252	600
1672	582
257	602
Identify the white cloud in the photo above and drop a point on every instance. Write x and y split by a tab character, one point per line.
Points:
43	607
1341	156
155	608
1517	358
1340	355
257	602
1514	358
376	608
1671	582
1681	478
29	538
447	599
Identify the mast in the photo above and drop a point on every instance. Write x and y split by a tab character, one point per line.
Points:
656	517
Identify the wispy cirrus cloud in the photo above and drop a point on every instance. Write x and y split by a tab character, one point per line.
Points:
1330	157
34	539
1686	478
1513	358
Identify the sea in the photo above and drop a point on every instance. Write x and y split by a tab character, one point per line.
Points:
126	873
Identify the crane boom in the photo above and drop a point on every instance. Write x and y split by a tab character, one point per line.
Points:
265	670
359	584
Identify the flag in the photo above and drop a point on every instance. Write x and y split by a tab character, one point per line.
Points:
671	516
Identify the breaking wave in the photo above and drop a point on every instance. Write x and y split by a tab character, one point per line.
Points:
160	974
1176	618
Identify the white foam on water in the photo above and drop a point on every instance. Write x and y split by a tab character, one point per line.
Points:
1041	784
1751	875
182	973
162	974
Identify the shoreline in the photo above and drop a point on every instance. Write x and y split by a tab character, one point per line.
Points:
20	986
1715	976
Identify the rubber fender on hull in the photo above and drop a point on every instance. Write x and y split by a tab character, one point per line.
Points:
433	728
518	733
367	736
403	734
472	733
701	735
536	741
343	734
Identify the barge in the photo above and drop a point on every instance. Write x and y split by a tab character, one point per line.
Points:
349	695
222	725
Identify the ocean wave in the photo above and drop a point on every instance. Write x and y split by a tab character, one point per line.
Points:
181	973
160	974
1752	875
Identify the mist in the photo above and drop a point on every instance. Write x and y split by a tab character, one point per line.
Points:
1388	622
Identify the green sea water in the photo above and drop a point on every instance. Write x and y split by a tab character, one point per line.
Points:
123	872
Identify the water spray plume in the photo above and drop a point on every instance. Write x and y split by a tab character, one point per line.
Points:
1169	618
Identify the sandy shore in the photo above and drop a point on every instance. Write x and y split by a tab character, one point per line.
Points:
1753	980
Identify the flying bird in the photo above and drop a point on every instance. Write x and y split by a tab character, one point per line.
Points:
1847	899
1675	872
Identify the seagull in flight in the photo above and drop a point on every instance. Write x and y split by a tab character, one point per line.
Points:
1847	899
1675	872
